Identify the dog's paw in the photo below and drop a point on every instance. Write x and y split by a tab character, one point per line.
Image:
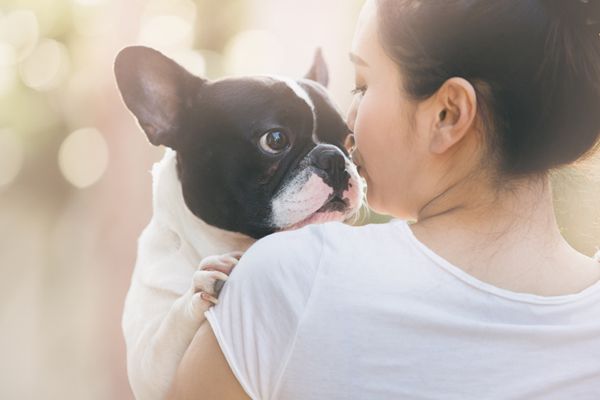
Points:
224	262
208	280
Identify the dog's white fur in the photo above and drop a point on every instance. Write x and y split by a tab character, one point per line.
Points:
160	317
301	93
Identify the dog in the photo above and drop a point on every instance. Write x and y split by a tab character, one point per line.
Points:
244	157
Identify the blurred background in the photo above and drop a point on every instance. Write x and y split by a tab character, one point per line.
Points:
74	167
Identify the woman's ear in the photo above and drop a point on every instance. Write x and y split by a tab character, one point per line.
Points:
454	108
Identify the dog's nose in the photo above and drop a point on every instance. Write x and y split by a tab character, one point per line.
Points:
329	160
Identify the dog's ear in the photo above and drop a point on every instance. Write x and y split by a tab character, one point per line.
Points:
156	89
318	71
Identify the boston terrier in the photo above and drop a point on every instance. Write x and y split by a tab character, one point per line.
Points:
245	157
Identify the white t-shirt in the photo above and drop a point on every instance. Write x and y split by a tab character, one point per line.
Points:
338	312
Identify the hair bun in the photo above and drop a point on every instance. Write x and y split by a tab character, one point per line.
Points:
580	12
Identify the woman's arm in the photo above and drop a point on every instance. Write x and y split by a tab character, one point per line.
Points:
241	351
204	372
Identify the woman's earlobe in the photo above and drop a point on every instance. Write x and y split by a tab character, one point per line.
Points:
440	141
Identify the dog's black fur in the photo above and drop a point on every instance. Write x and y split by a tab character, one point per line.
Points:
227	180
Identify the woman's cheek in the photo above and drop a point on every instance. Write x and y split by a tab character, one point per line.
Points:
363	117
365	132
372	124
366	138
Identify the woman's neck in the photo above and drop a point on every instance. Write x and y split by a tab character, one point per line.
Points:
525	205
508	238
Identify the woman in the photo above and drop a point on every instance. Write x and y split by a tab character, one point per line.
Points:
462	108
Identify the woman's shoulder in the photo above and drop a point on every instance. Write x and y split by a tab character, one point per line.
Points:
276	255
312	237
307	238
344	237
306	245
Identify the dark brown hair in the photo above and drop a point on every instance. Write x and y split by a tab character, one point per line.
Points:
535	65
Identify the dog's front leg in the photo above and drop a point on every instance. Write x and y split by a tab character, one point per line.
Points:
161	354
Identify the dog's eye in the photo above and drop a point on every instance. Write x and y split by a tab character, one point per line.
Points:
274	142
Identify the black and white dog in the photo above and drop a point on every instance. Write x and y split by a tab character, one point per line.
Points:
245	157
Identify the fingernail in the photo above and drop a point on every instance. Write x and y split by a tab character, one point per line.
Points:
208	297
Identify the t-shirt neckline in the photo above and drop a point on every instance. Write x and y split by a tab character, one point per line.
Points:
487	287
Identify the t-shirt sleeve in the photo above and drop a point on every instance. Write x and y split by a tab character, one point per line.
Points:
261	305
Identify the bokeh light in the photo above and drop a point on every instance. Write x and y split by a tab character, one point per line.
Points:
8	56
8	75
20	29
83	157
167	25
191	60
86	18
166	31
47	66
254	52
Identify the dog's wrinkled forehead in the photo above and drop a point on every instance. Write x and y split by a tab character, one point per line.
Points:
259	103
